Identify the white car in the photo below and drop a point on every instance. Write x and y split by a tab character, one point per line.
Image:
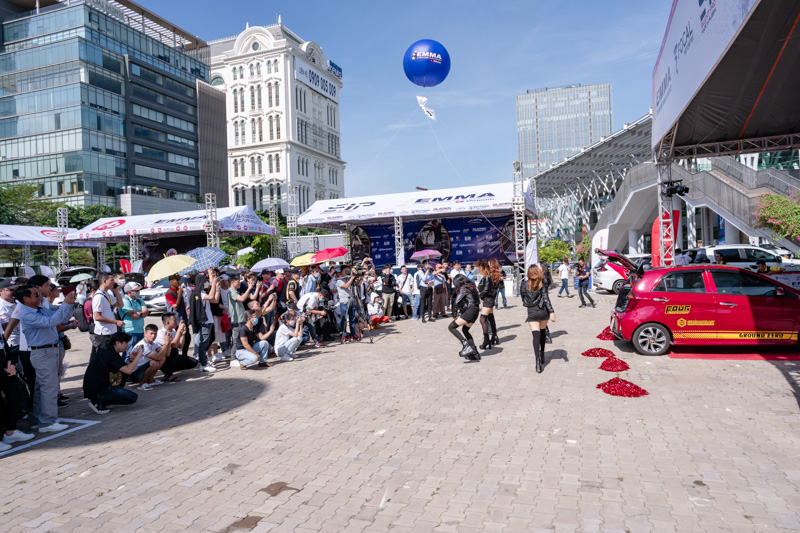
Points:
611	276
155	297
743	256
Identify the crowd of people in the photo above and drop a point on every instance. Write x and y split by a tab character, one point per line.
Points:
239	316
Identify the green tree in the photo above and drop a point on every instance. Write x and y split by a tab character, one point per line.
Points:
19	206
554	250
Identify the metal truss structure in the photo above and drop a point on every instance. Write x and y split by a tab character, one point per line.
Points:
518	208
101	256
212	222
63	227
739	146
399	245
663	157
275	241
26	255
346	238
135	252
291	222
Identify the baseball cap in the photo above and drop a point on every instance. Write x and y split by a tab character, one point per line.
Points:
8	283
224	277
132	286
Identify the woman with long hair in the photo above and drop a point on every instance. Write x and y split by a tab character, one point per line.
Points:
466	307
487	289
547	282
535	298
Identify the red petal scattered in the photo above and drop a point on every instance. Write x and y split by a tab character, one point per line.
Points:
620	387
598	352
606	335
612	364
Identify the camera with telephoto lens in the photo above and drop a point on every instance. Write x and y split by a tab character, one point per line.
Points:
358	270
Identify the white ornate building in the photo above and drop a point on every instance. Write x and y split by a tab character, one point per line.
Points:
282	117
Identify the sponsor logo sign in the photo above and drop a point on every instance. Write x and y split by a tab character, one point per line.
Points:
678	309
315	79
682	322
111	224
433	57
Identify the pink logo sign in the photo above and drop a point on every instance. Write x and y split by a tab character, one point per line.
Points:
111	224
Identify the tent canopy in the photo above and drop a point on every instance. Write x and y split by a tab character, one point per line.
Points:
751	93
484	200
233	221
37	237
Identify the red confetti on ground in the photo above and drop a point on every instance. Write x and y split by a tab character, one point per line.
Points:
620	387
606	335
612	364
598	352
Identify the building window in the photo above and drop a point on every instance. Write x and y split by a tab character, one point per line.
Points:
271	131
241	72
253	128
269	67
269	163
277	95
235	77
276	66
252	98
258	66
260	130
269	94
217	80
296	98
241	166
260	169
299	166
252	70
277	162
235	168
241	99
254	196
258	93
277	128
235	102
236	132
306	168
253	166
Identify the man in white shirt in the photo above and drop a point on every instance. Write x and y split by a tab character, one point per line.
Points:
307	304
405	285
106	299
563	274
681	259
153	356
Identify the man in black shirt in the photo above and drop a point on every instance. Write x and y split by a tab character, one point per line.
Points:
582	272
388	289
102	382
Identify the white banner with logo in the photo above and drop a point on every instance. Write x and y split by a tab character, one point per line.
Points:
698	34
315	79
441	203
232	220
17	236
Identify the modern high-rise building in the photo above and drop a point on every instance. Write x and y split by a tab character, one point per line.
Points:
556	123
99	99
283	117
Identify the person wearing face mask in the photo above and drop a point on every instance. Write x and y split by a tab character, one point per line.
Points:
251	345
307	305
201	318
289	336
311	283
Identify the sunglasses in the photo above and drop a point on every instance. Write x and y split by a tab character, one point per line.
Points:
36	294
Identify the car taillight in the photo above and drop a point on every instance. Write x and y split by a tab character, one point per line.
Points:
601	269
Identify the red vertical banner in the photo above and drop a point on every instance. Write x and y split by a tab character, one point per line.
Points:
655	240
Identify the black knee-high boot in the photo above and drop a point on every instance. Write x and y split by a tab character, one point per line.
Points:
536	347
495	338
473	354
542	341
485	327
547	336
465	347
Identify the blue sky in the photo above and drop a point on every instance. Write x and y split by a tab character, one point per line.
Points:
498	50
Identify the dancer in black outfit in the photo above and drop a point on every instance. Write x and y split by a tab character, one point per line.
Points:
466	307
535	298
487	289
547	282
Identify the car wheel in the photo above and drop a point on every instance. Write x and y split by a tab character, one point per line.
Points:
651	339
618	286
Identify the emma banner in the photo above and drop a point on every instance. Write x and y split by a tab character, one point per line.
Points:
464	239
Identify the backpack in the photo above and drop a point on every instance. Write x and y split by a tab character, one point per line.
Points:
80	316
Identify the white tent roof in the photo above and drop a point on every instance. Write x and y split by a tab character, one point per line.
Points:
236	221
487	200
15	236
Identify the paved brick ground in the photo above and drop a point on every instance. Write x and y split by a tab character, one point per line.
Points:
401	435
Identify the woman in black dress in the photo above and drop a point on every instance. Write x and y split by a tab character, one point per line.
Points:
535	298
487	289
547	282
466	307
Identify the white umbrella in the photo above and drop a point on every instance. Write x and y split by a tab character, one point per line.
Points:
245	251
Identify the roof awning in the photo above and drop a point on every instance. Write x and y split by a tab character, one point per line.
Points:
233	221
748	101
37	237
484	200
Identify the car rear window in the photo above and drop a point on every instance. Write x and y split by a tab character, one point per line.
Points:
742	284
683	281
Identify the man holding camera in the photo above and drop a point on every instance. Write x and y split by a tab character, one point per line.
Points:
107	298
346	304
307	305
388	289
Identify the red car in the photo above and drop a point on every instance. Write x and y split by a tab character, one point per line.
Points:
703	304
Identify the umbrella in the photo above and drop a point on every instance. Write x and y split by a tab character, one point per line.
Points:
207	257
424	254
270	263
245	251
303	260
329	253
169	266
77	278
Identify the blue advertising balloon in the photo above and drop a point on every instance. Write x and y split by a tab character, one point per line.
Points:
426	63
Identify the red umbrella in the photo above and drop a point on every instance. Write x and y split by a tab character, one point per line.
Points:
329	253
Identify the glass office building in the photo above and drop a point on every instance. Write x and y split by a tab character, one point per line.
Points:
94	98
556	123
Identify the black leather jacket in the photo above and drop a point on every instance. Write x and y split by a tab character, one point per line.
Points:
487	288
538	298
388	283
466	297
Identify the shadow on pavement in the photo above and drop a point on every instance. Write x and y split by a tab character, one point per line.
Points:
197	397
791	372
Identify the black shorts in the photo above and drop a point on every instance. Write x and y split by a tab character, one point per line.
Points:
537	314
138	374
488	302
470	315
